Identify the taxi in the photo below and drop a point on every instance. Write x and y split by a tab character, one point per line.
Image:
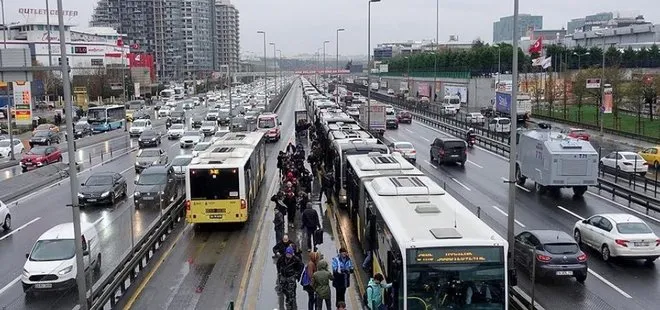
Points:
651	156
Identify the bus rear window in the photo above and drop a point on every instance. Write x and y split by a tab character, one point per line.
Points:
214	184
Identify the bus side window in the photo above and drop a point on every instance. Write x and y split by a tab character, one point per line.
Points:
371	226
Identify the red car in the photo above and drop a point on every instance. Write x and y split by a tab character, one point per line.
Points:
579	134
40	156
404	117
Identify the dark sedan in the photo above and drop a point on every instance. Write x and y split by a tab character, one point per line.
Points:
404	117
149	138
141	115
550	253
82	130
197	122
156	187
44	137
102	188
147	157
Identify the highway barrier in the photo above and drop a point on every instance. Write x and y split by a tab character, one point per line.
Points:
32	180
498	143
8	163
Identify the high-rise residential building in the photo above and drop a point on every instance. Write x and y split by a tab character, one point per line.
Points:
503	29
197	37
227	36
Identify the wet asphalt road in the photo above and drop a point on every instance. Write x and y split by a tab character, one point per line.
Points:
35	213
624	285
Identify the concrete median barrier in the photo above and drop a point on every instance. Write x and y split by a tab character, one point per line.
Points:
31	181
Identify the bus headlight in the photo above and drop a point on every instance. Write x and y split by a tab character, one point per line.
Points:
342	196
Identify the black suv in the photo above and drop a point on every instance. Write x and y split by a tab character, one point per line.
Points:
449	150
156	187
44	137
197	122
149	138
178	117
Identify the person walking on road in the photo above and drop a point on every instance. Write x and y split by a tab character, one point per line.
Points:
310	223
290	202
375	292
321	284
289	268
342	267
280	248
306	279
327	182
278	222
290	148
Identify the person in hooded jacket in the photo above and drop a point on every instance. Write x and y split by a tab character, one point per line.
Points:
278	223
321	284
342	267
289	268
310	223
279	203
306	279
375	290
290	148
290	202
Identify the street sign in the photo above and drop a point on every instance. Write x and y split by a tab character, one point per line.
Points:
23	103
593	83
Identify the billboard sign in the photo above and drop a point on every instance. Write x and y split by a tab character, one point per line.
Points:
593	83
503	102
383	68
607	99
23	102
456	90
423	89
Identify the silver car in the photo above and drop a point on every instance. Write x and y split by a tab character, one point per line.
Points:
190	139
179	164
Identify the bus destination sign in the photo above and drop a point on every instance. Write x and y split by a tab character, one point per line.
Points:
463	255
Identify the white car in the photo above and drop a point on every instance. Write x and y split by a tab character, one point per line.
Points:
629	162
618	235
5	216
406	149
209	128
475	118
139	126
176	131
500	124
212	115
353	111
164	112
190	139
200	147
187	105
390	91
6	147
219	134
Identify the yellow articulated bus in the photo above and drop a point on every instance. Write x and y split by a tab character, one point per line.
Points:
223	182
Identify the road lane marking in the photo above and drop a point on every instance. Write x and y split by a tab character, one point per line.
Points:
151	273
427	140
571	213
390	138
18	229
461	184
471	162
517	185
625	207
507	215
430	164
610	284
8	286
408	130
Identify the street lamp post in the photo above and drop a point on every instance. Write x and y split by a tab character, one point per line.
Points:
369	64
275	64
579	60
512	140
281	77
602	84
4	42
499	63
435	49
265	72
324	43
337	64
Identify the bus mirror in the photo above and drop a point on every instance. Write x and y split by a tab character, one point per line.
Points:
513	277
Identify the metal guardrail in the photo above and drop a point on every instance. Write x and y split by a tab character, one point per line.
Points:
113	285
500	146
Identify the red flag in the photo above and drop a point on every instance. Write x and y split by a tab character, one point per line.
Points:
537	47
120	42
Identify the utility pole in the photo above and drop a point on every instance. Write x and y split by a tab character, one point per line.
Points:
265	73
324	67
275	64
369	65
73	173
512	140
4	42
337	64
435	49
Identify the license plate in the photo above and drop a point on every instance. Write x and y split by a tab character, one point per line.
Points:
454	156
641	243
565	273
215	216
43	285
147	198
91	200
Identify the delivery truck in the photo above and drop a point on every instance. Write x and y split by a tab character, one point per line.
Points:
502	106
373	117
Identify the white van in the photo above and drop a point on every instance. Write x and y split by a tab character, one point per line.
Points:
499	124
51	265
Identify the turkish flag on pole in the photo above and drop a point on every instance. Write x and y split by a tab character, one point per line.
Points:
537	47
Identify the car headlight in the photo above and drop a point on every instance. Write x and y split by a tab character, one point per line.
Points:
105	194
80	195
38	163
136	194
25	273
139	139
65	270
153	139
79	132
155	162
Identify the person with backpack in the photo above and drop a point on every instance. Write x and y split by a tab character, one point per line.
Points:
373	298
342	267
306	279
310	223
321	284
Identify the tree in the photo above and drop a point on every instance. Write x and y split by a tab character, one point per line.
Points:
550	90
52	84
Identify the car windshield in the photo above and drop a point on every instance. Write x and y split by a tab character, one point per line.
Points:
97	180
41	134
43	127
178	114
191	133
252	113
578	131
177	127
151	179
633	228
81	127
561	248
37	151
181	161
404	146
267	123
149	153
201	146
632	156
148	133
4	143
213	111
211	123
53	250
139	123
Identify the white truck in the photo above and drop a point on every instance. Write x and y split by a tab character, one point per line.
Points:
374	86
553	161
502	105
373	116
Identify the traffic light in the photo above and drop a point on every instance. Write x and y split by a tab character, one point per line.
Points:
26	97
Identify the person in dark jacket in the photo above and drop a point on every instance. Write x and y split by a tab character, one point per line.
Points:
280	248
279	203
278	222
306	182
289	268
280	162
303	200
168	123
326	185
310	223
290	148
290	202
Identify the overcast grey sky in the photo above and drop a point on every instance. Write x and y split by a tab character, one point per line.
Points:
301	26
